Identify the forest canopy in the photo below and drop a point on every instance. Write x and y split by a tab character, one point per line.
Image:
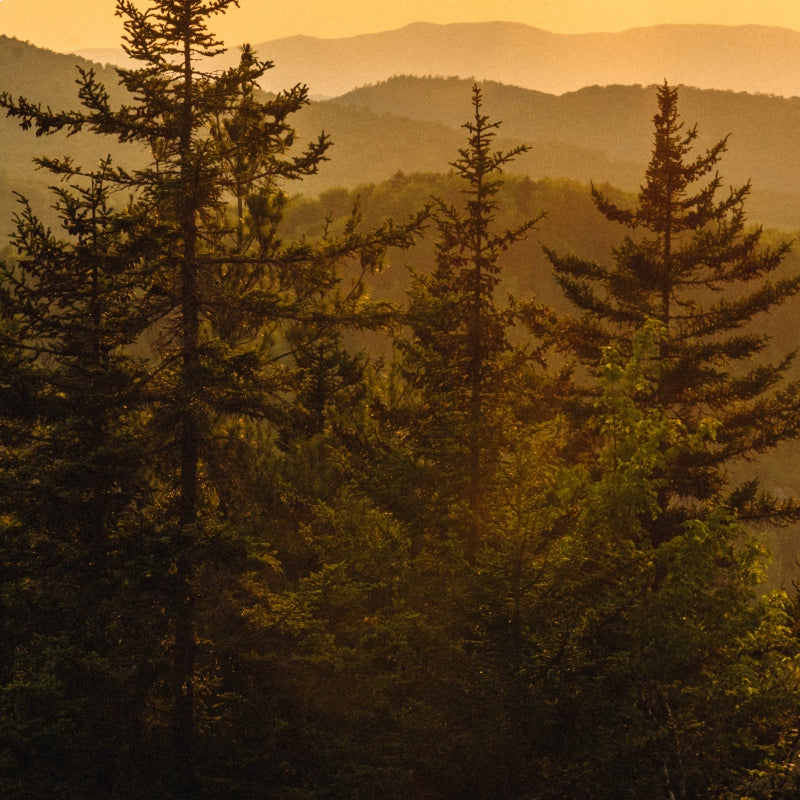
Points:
371	496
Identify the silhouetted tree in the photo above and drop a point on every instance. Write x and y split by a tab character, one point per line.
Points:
691	263
222	285
459	357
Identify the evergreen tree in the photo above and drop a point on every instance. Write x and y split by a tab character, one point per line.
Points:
435	455
459	357
223	288
693	264
75	554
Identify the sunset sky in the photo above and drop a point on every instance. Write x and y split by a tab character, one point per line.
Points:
66	25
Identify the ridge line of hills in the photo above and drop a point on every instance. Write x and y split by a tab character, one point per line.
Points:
751	58
413	124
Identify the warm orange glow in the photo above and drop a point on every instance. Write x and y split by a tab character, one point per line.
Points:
67	25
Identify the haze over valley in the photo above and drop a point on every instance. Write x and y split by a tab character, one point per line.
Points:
748	58
549	90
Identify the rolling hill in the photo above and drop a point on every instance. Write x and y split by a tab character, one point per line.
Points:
47	78
604	134
751	58
411	124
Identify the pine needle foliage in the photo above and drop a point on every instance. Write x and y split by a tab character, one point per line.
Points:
459	356
692	263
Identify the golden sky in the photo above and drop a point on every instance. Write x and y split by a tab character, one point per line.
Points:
66	25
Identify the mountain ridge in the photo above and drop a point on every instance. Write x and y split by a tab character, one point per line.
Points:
752	58
614	122
411	125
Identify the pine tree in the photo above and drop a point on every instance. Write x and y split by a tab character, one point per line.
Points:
692	263
74	486
435	448
224	286
459	357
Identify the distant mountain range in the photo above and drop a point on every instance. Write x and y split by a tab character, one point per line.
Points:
413	124
600	134
750	58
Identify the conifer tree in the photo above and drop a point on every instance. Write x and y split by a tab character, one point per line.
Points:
223	284
74	486
692	263
459	357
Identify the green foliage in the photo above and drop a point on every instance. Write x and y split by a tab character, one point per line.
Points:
240	559
620	659
692	264
677	621
574	657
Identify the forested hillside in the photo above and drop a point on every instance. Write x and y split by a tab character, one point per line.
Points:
455	480
572	224
600	133
413	125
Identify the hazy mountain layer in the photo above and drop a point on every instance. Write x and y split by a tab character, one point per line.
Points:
595	134
414	125
48	78
749	58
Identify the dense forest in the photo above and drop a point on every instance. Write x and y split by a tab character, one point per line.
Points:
458	485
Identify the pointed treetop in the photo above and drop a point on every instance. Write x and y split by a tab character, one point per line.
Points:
164	26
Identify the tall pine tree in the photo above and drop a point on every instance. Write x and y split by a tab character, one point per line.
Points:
692	263
459	357
223	288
